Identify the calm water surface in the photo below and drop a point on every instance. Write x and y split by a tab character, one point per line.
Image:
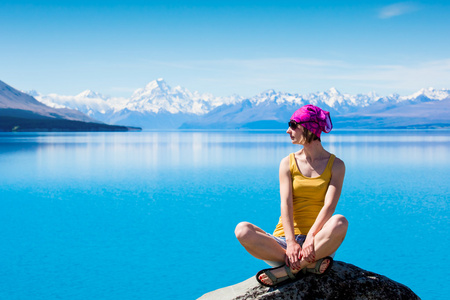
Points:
151	215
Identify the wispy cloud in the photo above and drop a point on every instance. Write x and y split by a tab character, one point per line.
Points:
397	9
248	77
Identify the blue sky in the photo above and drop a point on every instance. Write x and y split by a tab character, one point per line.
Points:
227	47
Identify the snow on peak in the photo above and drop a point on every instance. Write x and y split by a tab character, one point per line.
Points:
429	93
158	95
89	94
333	91
270	92
32	93
157	84
373	94
88	102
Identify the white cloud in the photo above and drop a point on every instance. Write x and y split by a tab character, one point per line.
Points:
397	9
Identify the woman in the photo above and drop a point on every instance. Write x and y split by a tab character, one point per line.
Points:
307	234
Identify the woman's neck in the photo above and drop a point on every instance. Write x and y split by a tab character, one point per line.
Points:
314	150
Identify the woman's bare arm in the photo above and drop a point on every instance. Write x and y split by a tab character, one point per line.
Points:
293	249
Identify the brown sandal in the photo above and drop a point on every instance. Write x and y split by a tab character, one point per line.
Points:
277	281
316	269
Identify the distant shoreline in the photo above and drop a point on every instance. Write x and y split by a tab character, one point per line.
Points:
14	124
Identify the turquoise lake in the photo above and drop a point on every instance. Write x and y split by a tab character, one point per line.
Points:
151	215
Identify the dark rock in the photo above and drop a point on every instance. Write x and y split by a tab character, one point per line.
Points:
344	281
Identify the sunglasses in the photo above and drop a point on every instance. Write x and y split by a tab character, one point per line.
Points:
293	124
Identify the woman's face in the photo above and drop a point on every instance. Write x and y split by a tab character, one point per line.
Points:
296	135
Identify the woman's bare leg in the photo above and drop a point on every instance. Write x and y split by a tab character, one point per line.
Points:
331	236
258	243
326	242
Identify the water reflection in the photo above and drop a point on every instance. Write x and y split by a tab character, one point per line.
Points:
198	149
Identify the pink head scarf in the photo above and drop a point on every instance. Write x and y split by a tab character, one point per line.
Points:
313	118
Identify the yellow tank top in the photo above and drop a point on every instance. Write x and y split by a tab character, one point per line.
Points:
308	197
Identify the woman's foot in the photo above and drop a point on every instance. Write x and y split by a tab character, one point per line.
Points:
320	267
276	276
324	265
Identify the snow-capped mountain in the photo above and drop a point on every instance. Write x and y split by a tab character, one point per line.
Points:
88	102
158	96
158	105
20	104
429	93
22	112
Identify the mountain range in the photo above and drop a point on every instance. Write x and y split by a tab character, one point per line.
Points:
159	106
22	112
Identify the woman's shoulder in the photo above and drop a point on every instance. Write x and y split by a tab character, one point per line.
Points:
285	163
338	165
285	160
337	160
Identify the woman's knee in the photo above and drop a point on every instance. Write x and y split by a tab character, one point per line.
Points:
243	231
340	224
